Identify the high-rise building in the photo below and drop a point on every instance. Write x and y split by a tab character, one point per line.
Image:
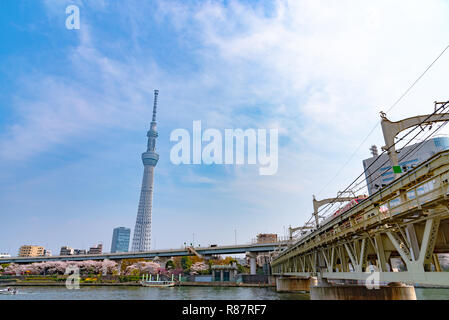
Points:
96	250
120	239
267	237
380	173
142	229
31	251
66	251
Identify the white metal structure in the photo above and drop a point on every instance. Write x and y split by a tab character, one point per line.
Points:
142	230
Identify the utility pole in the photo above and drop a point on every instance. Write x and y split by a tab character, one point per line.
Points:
391	129
318	203
235	236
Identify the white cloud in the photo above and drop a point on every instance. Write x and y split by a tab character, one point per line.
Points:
331	65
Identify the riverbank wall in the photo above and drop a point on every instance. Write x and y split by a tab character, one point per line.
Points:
186	283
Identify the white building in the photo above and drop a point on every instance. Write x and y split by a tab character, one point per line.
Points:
66	251
380	173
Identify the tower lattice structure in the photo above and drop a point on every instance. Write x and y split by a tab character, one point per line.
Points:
142	230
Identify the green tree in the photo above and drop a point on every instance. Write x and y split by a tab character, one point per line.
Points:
170	265
186	263
135	272
4	266
242	269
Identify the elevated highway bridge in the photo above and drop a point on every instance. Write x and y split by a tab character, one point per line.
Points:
167	253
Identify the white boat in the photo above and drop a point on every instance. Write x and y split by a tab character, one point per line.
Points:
149	282
8	290
158	284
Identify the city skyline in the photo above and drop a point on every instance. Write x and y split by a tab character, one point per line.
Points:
74	108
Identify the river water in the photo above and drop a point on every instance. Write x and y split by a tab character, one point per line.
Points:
178	293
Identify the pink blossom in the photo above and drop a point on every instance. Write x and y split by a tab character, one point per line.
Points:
198	266
59	267
143	267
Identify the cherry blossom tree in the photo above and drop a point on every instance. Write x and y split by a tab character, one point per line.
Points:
143	267
198	267
59	267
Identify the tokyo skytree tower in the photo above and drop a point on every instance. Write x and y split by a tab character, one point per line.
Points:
142	230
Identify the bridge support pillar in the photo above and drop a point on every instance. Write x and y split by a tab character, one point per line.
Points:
393	291
252	265
294	284
252	262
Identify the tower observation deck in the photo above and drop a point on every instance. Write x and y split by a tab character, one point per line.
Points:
142	230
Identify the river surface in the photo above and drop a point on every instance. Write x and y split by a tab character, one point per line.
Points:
177	293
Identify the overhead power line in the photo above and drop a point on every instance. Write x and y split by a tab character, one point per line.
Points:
417	147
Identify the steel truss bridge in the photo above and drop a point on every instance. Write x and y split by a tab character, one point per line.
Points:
204	251
408	219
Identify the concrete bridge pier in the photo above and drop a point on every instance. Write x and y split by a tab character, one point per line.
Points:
252	262
294	284
325	290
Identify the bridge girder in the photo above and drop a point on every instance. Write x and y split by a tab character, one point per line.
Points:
234	249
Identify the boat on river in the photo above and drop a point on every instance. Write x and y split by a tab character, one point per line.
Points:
158	284
147	281
8	290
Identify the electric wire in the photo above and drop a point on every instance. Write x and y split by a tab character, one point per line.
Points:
444	106
388	110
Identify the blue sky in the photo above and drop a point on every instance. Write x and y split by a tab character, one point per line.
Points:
75	106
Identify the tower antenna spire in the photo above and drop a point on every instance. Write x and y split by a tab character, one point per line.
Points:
156	92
